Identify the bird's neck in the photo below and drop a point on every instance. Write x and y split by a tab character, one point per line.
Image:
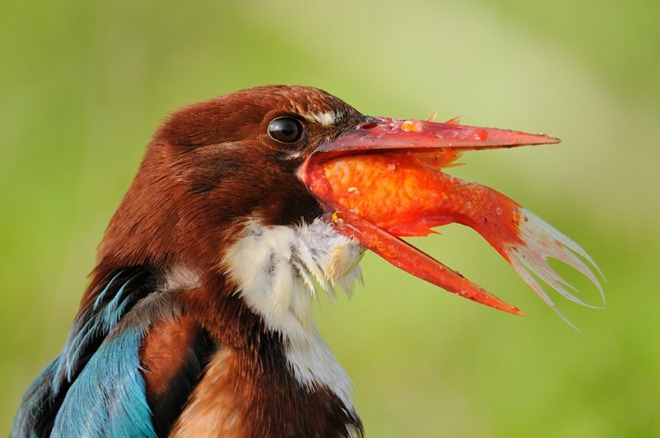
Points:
275	269
274	272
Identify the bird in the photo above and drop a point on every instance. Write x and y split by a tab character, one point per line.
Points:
197	320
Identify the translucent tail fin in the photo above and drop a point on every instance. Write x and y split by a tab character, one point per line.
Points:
540	241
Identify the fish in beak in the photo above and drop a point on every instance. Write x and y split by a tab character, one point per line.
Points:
384	179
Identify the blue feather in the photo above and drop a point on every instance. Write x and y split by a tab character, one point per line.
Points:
108	398
105	290
38	395
94	388
94	322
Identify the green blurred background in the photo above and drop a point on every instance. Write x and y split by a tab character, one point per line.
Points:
85	83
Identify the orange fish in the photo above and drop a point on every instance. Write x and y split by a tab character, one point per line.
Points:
381	191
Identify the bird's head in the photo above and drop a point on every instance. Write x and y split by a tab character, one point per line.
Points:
214	165
286	157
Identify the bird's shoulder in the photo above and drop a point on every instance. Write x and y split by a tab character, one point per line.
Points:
130	319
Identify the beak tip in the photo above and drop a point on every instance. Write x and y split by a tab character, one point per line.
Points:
552	140
537	139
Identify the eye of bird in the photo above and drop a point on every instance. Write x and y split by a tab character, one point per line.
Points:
285	129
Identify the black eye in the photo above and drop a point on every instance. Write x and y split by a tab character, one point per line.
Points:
285	130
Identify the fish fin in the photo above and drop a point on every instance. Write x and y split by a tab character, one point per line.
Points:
539	241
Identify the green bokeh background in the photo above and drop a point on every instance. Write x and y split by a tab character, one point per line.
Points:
83	84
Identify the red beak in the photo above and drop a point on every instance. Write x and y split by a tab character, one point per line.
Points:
382	133
434	145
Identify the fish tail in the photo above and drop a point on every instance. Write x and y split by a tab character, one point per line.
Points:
539	241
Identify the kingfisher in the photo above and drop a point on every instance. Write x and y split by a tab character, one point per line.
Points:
197	320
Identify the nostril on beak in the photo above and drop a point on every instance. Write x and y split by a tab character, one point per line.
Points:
368	125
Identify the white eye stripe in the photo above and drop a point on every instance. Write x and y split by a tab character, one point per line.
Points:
325	119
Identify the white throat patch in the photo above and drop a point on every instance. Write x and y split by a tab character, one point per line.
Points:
275	268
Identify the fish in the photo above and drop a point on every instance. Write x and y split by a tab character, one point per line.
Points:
380	197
